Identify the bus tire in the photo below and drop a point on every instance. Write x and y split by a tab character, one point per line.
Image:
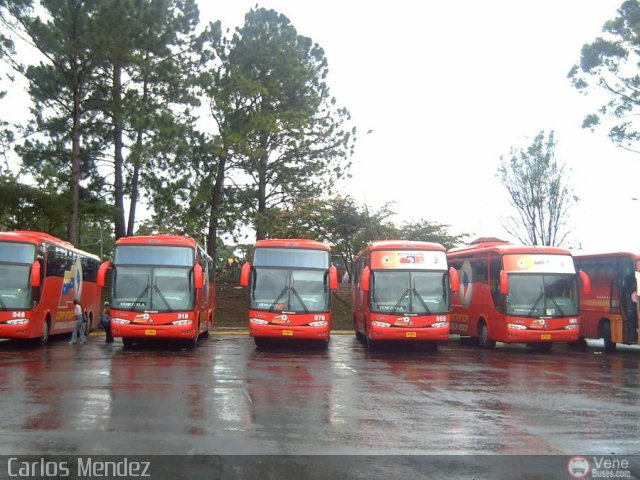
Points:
323	344
370	344
359	336
127	342
192	342
43	339
483	336
605	333
262	342
581	344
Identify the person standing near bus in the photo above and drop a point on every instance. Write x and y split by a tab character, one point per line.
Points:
79	327
105	321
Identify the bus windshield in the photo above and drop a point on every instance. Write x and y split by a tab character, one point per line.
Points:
152	289
402	292
15	288
154	255
300	291
538	295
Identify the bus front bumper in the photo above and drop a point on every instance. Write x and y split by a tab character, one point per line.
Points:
540	336
427	334
22	331
303	332
153	331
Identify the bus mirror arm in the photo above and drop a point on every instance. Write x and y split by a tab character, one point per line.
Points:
586	282
244	274
198	277
35	274
365	281
454	279
504	283
102	273
333	278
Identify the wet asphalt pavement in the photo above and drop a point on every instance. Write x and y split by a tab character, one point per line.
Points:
226	397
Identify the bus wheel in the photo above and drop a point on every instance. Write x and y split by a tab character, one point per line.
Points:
581	344
127	342
262	342
359	336
370	344
192	342
483	339
605	333
44	338
205	334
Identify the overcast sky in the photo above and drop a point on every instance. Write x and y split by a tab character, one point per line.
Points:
447	87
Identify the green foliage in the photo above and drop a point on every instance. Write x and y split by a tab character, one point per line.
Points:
610	64
535	182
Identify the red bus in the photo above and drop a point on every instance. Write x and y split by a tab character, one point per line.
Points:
516	294
610	310
400	291
162	288
290	284
40	277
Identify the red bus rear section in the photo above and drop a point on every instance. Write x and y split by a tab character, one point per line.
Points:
610	311
516	294
40	277
162	288
290	283
400	291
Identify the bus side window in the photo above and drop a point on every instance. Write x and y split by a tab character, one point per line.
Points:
495	266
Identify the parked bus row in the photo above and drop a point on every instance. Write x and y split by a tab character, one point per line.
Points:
162	287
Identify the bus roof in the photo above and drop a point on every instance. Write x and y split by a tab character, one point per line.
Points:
28	236
177	240
292	243
402	245
615	253
506	248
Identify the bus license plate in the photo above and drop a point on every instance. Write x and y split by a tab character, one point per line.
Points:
545	336
287	333
411	334
149	332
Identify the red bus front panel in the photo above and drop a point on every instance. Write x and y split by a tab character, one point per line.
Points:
307	326
397	327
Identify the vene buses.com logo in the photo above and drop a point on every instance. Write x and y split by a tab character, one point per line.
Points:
578	467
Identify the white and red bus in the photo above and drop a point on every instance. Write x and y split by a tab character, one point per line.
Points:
400	291
40	277
290	284
162	287
610	311
516	294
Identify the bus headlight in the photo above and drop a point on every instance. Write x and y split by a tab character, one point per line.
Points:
120	321
258	321
18	321
380	324
515	326
439	325
181	322
572	327
320	323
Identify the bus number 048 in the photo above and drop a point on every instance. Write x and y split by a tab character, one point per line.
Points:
19	314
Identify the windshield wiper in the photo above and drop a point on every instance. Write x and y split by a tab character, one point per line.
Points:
155	287
146	289
2	304
406	292
427	309
275	302
558	306
293	290
535	304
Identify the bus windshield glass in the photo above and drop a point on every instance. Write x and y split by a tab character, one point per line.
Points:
154	255
152	289
537	295
300	291
15	288
401	292
17	252
290	257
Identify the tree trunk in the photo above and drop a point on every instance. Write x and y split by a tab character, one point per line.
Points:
118	184
137	163
75	161
216	200
261	220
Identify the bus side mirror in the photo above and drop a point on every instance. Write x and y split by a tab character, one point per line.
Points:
198	277
333	277
35	274
504	283
586	283
244	274
638	283
365	281
454	280
102	273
